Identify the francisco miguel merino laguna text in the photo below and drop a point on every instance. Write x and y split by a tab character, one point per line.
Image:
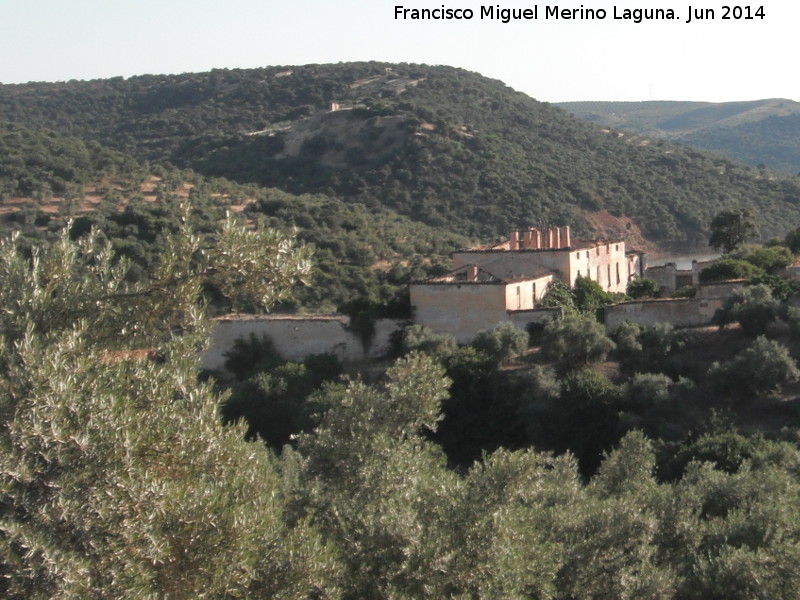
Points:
506	15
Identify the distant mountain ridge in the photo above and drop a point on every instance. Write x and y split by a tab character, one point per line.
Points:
759	132
440	145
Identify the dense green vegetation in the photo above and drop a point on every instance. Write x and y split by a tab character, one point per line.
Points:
359	253
759	132
118	480
650	464
440	145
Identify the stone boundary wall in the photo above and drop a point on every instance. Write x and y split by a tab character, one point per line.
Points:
719	289
297	336
681	312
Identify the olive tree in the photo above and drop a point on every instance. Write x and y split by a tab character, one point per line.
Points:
765	367
117	479
575	341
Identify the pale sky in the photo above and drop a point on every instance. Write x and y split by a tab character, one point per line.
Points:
552	60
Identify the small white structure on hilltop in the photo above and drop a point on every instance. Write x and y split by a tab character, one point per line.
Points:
505	282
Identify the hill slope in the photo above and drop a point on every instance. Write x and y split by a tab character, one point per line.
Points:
47	180
761	132
440	145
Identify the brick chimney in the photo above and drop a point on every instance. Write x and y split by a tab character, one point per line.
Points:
566	240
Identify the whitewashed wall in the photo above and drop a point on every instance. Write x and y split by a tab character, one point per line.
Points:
297	336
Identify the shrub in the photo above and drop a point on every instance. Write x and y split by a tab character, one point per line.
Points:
643	287
654	349
770	259
686	291
725	269
659	406
503	343
250	356
765	367
420	338
575	342
753	307
780	288
793	241
590	298
559	295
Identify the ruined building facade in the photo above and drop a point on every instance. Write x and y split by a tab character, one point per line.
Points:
506	281
605	261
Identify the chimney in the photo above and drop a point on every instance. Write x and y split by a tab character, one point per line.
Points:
550	238
566	242
473	273
530	239
557	236
514	241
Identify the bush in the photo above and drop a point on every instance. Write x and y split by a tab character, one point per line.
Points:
419	338
764	368
793	241
659	406
558	295
792	317
250	356
503	343
274	402
590	298
780	288
643	287
770	259
753	307
726	269
575	342
656	349
686	291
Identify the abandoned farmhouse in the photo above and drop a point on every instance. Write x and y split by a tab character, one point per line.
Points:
505	282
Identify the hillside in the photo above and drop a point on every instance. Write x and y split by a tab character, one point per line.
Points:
47	180
761	132
439	145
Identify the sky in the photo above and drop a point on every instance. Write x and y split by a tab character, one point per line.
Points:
554	60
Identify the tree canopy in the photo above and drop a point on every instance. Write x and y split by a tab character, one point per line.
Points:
732	228
118	478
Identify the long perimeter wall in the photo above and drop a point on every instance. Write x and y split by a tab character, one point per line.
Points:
684	312
297	336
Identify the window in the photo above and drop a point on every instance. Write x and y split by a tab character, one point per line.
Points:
618	278
608	281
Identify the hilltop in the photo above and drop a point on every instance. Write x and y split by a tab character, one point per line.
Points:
449	148
760	132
